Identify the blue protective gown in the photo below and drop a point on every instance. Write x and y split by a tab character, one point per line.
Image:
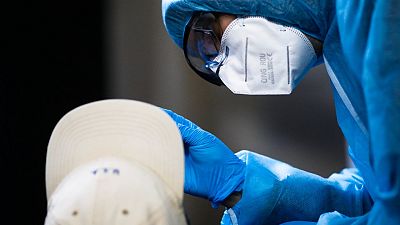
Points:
361	52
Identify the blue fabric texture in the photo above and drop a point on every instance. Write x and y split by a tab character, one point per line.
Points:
212	171
361	45
312	17
290	194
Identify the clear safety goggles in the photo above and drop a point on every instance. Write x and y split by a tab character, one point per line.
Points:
201	45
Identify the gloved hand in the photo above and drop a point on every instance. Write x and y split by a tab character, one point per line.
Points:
275	192
212	171
261	191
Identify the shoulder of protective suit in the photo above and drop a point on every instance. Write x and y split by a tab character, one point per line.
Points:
310	16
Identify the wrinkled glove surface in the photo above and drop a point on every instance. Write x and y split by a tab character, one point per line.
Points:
212	170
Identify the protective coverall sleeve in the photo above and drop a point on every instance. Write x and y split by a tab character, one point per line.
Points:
371	39
274	193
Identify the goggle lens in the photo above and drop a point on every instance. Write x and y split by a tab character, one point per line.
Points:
202	43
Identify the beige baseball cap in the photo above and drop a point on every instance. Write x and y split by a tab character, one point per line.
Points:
115	162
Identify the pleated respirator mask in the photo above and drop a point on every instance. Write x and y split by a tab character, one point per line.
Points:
253	57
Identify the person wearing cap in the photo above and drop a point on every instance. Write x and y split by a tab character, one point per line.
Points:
265	47
115	162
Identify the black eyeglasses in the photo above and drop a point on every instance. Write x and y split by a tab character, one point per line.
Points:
201	45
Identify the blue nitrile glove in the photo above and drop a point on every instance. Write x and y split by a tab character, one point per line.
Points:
261	191
275	192
212	171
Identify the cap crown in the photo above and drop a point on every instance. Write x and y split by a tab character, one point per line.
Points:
113	191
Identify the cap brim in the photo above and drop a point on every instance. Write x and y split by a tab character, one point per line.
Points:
128	129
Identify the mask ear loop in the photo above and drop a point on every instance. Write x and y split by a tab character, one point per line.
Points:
214	63
223	60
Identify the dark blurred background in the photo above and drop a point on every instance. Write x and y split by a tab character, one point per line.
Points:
59	55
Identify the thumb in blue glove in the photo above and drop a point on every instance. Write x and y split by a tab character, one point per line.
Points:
212	171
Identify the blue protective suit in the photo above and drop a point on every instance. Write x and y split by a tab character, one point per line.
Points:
361	51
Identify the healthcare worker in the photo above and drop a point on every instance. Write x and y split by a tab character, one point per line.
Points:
265	47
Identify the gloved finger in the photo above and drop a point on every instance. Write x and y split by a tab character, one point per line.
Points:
180	119
193	136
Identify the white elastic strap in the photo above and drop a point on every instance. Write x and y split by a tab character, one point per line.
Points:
233	217
344	97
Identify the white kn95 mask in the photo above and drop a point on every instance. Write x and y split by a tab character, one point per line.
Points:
259	57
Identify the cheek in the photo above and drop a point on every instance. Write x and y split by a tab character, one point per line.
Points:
224	22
